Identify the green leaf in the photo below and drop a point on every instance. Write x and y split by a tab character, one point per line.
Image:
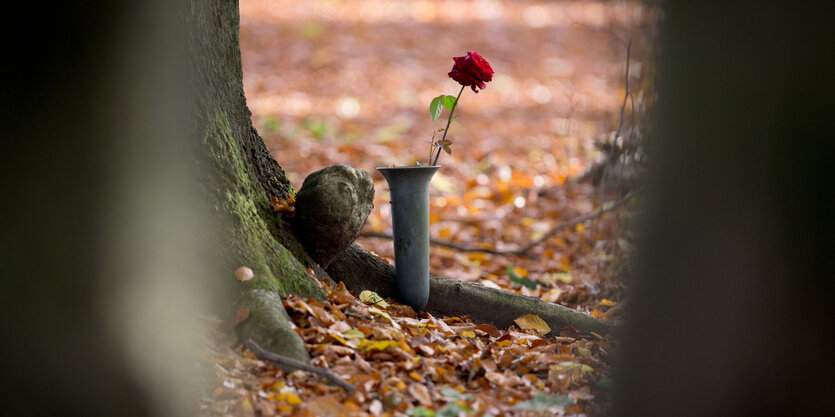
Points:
583	367
353	334
542	402
452	410
519	279
450	392
436	107
449	102
420	412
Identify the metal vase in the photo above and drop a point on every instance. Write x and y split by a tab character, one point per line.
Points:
410	223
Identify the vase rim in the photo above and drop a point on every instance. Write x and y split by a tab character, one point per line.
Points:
411	167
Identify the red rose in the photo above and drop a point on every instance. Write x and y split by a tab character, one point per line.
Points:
471	70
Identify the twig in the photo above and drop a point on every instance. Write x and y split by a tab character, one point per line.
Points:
283	360
626	90
615	154
524	249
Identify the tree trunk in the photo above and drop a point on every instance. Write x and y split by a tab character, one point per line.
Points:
241	178
731	309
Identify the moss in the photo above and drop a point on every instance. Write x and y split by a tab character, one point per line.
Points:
249	233
287	186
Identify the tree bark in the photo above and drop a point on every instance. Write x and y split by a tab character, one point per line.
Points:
240	177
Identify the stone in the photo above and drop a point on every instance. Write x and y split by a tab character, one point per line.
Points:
331	208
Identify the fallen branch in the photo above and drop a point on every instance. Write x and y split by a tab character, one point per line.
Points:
526	248
360	271
292	363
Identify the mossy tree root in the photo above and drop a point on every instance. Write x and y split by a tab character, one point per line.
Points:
363	271
269	325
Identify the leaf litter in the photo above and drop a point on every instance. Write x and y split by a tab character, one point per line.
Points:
406	363
325	88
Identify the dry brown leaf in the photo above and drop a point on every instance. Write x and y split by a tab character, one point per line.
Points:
340	327
495	377
570	331
490	330
533	322
421	393
326	406
488	364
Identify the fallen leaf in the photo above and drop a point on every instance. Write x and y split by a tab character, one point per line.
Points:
326	406
533	322
542	402
467	333
564	277
340	327
486	328
289	398
583	367
366	344
521	280
377	311
570	331
420	412
426	350
421	393
495	377
244	274
353	334
285	206
371	297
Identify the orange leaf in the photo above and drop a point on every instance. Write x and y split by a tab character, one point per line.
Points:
286	205
608	303
486	328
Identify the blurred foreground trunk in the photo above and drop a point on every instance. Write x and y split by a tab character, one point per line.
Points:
731	310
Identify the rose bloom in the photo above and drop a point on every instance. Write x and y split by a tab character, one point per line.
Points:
471	70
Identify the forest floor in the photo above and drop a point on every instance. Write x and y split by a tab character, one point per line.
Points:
350	81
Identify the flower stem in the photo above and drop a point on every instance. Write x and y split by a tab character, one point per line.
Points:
454	106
